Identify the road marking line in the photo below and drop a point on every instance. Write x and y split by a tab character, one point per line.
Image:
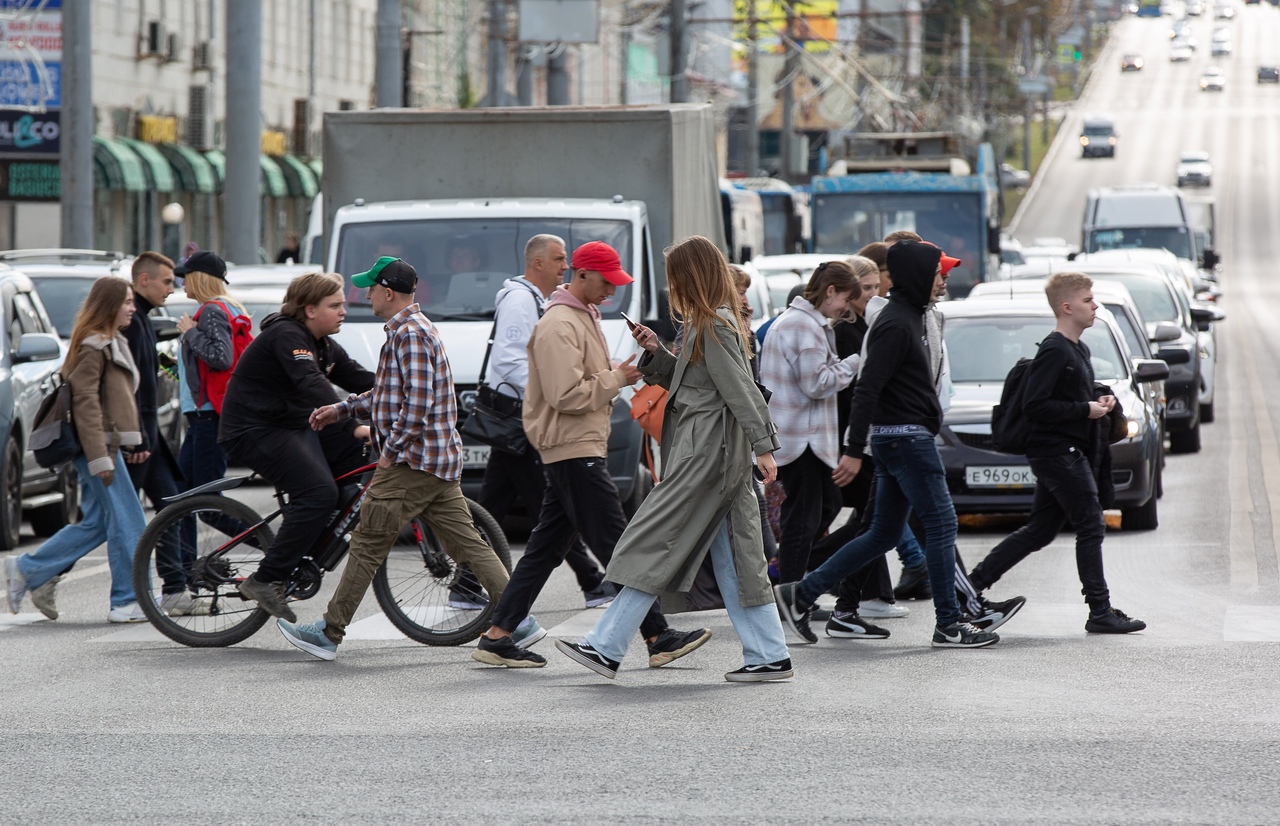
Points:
1242	554
8	621
1251	623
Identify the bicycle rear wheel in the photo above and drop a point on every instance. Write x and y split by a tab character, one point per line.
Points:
187	549
419	580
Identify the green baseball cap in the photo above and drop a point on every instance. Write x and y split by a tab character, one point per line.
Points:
389	272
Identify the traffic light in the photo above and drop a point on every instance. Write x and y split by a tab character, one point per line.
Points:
1075	55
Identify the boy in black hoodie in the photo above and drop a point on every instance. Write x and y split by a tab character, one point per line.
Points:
895	401
1059	402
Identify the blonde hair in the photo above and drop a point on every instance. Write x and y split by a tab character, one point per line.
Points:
741	278
700	283
1061	286
863	266
96	315
902	235
308	290
205	288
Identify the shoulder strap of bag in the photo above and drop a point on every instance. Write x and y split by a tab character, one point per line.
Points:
493	331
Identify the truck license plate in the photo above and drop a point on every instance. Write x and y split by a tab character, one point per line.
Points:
999	476
475	456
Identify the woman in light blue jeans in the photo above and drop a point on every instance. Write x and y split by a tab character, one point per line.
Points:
715	430
103	381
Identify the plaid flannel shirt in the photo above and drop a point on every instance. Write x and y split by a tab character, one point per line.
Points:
412	404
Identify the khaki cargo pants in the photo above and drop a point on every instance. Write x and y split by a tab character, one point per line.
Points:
396	496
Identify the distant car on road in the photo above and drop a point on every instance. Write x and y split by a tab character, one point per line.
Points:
1194	8
1194	168
1220	45
1098	137
1269	73
1213	80
1011	177
1179	53
1131	63
1224	11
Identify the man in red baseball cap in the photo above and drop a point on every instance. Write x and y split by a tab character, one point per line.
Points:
599	257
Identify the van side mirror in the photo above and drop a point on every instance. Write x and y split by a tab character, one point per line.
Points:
1146	370
166	327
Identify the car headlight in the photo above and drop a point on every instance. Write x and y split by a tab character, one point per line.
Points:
1084	140
1204	352
1111	141
1135	427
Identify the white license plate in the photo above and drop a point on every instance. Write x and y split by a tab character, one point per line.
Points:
999	476
474	456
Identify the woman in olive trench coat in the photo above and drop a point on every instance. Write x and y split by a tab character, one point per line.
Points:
716	420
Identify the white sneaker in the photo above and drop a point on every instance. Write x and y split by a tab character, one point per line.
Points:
880	609
127	613
43	598
183	604
15	587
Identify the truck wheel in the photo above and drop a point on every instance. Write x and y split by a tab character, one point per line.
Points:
10	496
1206	413
49	519
1142	518
1188	441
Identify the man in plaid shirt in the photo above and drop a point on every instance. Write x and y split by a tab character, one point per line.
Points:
413	411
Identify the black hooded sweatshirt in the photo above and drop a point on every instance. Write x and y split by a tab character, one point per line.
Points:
283	375
896	385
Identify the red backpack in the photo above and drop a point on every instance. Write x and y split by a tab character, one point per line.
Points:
213	383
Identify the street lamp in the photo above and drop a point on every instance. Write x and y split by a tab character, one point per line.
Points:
172	216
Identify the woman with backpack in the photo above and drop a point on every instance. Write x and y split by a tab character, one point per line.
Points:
103	379
212	339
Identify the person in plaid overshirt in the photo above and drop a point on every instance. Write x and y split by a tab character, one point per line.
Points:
413	411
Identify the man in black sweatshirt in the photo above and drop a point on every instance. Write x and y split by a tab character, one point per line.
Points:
288	371
896	404
1065	419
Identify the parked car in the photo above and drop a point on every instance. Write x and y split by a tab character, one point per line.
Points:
1269	73
1224	11
1194	168
30	355
1213	79
1220	46
267	275
1011	177
985	337
1131	63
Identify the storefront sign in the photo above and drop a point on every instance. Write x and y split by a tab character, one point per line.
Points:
26	133
30	181
31	54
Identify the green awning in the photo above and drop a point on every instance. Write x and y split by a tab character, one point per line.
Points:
302	181
159	174
218	162
193	171
116	166
317	166
273	183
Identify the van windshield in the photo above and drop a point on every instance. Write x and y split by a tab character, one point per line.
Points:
1099	131
1174	239
462	263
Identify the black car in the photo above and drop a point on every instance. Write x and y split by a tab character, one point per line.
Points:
985	337
1269	74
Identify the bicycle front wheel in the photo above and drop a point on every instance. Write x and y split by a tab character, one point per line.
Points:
427	595
189	564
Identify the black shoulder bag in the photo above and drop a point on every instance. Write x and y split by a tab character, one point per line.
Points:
497	419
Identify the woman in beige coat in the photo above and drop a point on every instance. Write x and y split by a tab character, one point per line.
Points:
716	421
103	379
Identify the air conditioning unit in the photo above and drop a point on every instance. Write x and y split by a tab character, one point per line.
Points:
199	131
301	126
153	39
202	56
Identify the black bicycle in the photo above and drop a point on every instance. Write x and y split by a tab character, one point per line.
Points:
208	543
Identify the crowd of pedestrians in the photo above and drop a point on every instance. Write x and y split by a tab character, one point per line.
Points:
839	406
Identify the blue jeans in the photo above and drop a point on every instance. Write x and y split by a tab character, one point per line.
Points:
909	550
111	514
758	626
909	476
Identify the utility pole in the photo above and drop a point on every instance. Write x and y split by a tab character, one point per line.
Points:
77	126
753	92
497	52
388	80
964	66
679	53
1026	109
790	67
242	206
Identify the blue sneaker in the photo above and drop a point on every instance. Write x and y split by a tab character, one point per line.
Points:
309	637
528	633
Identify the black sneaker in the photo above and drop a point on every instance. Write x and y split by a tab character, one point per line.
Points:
671	645
996	614
269	596
913	584
849	626
1114	621
466	593
795	618
781	670
503	651
601	595
583	654
962	635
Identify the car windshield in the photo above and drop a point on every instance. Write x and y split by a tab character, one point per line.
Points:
1099	131
462	263
1152	295
1174	239
62	296
984	349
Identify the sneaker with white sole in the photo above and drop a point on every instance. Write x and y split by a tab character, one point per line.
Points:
671	645
127	613
183	604
583	654
309	637
528	633
781	670
846	625
15	585
879	609
601	596
996	614
43	598
794	617
504	651
962	635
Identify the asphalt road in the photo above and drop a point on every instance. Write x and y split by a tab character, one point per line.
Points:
1179	724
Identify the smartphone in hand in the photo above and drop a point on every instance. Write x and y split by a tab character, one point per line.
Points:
630	324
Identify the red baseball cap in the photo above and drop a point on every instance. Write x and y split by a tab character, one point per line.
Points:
948	263
602	258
